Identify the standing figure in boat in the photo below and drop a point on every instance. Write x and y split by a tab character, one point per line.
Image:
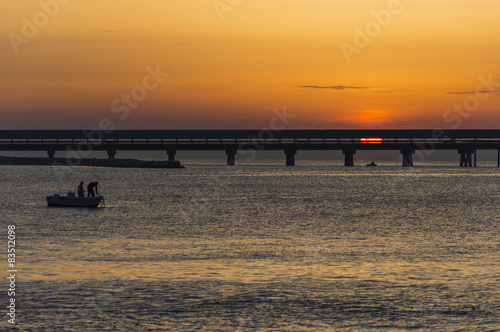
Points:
81	192
90	189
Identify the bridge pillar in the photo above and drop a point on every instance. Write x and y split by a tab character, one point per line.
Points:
349	157
231	157
466	158
171	154
290	157
408	157
111	153
51	152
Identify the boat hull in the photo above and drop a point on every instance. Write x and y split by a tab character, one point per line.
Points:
72	201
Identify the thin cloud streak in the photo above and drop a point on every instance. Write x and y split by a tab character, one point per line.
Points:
351	88
472	92
335	87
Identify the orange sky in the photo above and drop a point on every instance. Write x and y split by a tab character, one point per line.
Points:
230	65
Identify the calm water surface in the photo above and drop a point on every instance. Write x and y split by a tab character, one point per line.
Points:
257	248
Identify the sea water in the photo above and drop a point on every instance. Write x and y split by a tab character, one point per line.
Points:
260	247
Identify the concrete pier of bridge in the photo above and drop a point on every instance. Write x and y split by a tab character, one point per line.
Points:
171	154
111	153
51	152
407	157
466	158
290	156
349	157
231	157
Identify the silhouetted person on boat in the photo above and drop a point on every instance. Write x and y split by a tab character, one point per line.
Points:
81	192
90	189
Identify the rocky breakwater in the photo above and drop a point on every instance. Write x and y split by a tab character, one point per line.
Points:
93	162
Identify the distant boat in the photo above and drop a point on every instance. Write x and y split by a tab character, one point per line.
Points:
371	164
72	201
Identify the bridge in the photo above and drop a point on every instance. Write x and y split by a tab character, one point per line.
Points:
80	143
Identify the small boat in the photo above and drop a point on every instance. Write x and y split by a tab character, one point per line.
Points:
73	201
371	164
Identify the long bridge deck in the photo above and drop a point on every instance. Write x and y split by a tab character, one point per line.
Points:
79	143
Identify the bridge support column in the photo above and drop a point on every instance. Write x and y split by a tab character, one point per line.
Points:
51	152
111	153
408	157
469	158
290	157
349	157
466	158
231	157
498	158
475	158
171	154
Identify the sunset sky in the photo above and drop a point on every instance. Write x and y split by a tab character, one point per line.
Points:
230	63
